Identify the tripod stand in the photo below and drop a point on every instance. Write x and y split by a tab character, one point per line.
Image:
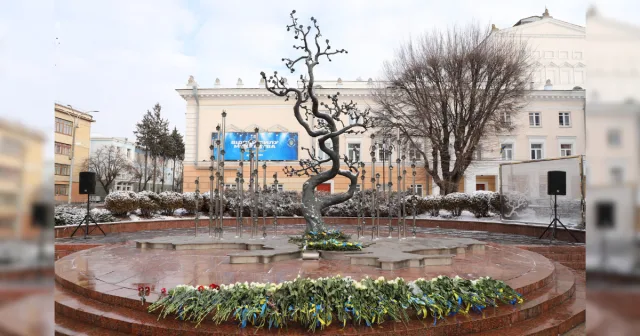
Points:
554	222
86	220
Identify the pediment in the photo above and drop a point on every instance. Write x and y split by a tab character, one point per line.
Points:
277	128
233	128
548	27
252	127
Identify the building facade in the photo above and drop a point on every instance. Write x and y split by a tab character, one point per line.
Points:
551	123
72	146
21	176
130	179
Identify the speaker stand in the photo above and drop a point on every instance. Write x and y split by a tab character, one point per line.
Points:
86	220
554	223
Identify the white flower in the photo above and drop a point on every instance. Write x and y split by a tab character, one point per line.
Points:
381	278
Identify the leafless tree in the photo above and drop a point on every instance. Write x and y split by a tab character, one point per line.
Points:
108	162
141	171
446	91
325	126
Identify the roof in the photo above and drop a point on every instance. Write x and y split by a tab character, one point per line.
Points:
15	127
68	109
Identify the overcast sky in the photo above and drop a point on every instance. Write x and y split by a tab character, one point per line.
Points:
120	57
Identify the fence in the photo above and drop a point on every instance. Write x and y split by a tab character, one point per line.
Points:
525	186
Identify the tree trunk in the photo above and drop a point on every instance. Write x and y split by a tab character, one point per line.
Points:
155	168
173	176
311	206
146	156
164	165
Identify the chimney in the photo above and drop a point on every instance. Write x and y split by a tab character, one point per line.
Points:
548	85
531	85
239	83
339	83
494	28
261	84
217	83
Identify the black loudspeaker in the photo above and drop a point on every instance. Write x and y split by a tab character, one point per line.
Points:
556	182
42	215
87	183
605	215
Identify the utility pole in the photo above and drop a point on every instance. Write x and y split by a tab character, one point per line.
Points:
72	157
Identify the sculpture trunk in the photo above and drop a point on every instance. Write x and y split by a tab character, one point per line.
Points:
311	205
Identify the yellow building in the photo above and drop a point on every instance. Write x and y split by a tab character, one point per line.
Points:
72	145
21	170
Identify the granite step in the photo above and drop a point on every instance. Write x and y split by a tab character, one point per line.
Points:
66	326
560	320
131	321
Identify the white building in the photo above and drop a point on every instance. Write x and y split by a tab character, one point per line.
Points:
550	125
127	181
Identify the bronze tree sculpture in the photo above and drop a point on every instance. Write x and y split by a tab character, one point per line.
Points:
326	126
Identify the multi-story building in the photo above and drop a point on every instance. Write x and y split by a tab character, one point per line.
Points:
551	123
21	175
129	180
72	145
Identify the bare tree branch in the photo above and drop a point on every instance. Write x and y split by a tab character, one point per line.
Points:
451	90
325	124
108	162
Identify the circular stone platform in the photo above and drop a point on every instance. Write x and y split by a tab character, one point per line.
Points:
119	270
384	253
97	288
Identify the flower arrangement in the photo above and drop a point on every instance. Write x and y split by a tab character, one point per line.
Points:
316	303
143	292
329	240
331	245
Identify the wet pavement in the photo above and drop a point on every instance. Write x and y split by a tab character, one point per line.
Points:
500	238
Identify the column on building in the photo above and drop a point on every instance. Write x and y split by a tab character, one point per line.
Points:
469	182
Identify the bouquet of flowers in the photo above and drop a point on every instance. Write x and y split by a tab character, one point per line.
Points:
331	245
316	303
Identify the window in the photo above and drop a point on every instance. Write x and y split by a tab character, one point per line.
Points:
231	186
128	153
534	119
613	137
9	174
617	175
353	150
358	187
8	199
64	126
280	187
320	154
418	189
566	149
7	222
506	117
62	189
353	120
564	119
536	151
63	149
62	169
381	154
506	151
477	154
414	154
11	146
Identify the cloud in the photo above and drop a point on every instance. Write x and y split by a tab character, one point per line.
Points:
121	57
